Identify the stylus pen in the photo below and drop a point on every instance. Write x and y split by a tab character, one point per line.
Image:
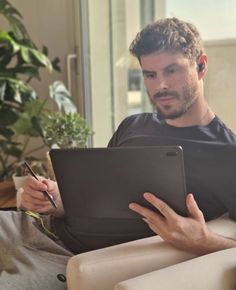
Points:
47	194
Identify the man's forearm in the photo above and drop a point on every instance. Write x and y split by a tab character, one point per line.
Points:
216	242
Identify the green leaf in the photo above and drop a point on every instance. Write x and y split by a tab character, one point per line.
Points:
5	37
26	70
45	50
16	84
35	108
8	116
62	97
37	125
28	122
41	58
7	9
29	55
5	57
7	133
2	90
55	64
25	54
23	126
6	73
7	143
14	151
11	11
17	90
3	3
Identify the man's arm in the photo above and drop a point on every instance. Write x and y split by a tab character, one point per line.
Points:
186	233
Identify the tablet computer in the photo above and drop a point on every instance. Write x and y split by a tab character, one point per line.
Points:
101	182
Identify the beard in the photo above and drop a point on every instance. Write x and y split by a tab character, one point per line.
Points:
186	100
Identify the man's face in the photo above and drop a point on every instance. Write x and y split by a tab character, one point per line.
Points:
171	81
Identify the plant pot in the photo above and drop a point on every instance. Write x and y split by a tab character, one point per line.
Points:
18	181
7	195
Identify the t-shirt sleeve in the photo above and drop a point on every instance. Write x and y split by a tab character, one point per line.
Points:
113	141
121	132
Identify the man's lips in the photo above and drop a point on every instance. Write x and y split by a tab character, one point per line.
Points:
164	99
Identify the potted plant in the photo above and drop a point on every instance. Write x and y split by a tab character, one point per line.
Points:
23	113
20	62
64	131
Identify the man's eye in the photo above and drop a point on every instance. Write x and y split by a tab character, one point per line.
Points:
149	75
171	70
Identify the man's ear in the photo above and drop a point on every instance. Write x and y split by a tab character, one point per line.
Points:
202	65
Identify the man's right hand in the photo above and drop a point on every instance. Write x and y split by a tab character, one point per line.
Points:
33	199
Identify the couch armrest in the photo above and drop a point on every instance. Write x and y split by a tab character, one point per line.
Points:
102	269
216	271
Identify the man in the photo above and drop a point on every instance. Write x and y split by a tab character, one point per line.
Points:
174	64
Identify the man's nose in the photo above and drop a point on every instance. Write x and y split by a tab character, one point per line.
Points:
161	84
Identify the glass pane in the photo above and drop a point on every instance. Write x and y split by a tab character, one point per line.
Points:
214	19
116	82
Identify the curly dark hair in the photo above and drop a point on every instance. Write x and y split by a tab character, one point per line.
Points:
169	34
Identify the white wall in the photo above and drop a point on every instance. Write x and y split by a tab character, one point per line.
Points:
221	80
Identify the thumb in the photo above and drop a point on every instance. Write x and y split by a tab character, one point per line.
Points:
193	208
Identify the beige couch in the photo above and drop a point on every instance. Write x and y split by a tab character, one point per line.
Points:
151	264
215	271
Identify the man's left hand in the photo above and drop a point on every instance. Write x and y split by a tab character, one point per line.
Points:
186	233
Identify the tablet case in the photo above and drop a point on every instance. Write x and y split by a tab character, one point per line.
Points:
101	182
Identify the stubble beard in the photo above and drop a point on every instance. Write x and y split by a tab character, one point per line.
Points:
187	99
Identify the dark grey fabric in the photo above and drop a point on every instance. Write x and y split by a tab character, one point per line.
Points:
29	260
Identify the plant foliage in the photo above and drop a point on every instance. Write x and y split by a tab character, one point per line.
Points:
22	112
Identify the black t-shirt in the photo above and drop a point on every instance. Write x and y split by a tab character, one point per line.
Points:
209	157
210	163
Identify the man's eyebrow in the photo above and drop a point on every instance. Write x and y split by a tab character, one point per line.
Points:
172	65
148	72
